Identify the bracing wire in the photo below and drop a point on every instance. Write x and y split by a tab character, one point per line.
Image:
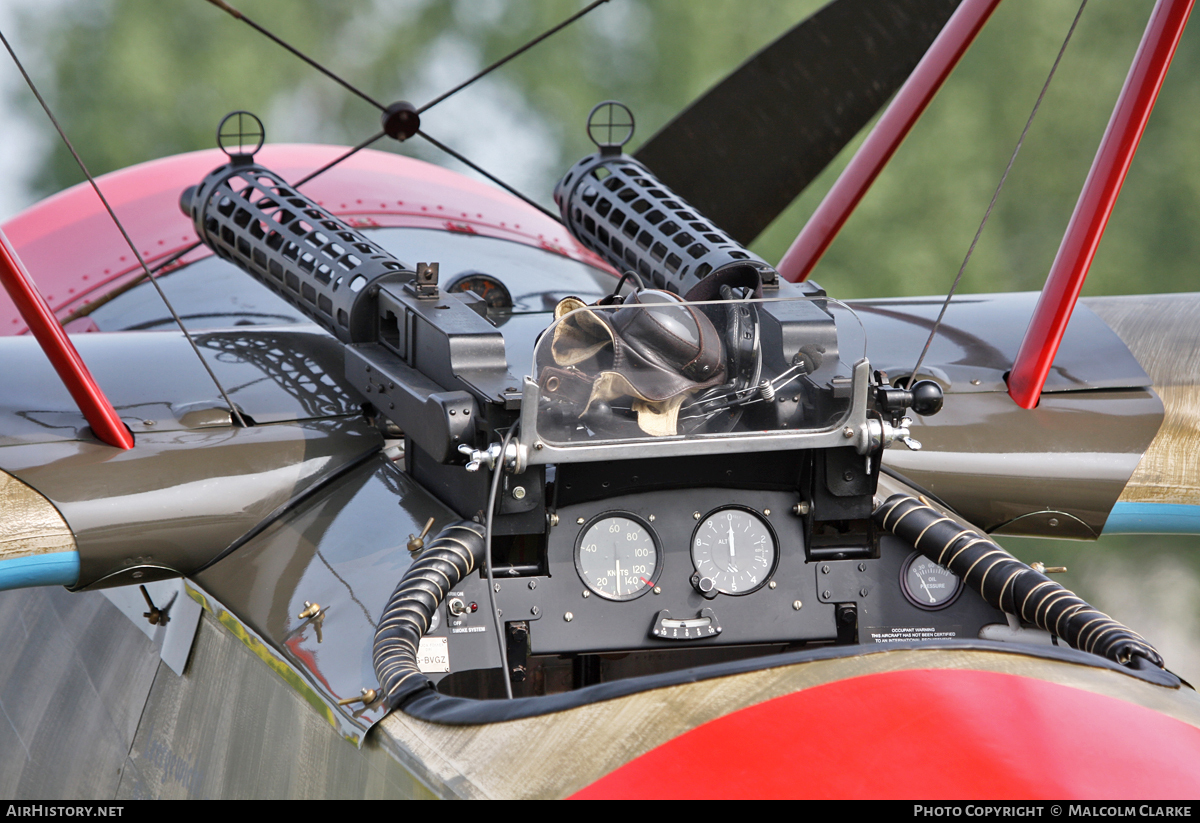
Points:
510	56
995	195
460	158
132	247
113	294
349	153
236	14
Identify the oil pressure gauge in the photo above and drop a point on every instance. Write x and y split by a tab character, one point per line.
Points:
927	585
734	551
617	556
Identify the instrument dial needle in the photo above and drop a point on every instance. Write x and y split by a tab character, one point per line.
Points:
925	586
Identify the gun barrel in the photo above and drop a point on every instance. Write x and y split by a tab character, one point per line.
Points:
617	208
248	215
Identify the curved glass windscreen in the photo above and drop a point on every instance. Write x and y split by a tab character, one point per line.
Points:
651	366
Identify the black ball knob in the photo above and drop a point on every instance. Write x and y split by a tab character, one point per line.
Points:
400	120
926	398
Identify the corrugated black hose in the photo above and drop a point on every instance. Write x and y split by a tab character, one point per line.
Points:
1010	585
446	560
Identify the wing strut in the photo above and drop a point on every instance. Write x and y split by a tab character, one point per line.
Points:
885	138
1100	190
59	349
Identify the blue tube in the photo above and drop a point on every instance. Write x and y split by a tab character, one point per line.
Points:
54	569
1153	518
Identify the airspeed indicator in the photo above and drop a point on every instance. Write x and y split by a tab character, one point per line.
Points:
617	556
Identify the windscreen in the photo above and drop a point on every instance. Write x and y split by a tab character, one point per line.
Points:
650	366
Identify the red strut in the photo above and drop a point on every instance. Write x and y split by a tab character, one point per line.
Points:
885	138
1100	190
58	347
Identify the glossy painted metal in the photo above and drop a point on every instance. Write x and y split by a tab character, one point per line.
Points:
274	375
891	129
934	734
58	349
1056	470
1097	199
197	484
1060	469
979	337
372	188
343	548
180	499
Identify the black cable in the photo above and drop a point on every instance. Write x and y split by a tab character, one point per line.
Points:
491	177
995	195
629	275
133	248
237	15
509	56
489	516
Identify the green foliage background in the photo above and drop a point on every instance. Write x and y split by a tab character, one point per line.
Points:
133	80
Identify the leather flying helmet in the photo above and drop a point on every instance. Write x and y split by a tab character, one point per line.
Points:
653	348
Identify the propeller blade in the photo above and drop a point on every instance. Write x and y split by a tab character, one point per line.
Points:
742	152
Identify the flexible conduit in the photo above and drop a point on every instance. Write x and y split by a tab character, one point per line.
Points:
1010	585
448	558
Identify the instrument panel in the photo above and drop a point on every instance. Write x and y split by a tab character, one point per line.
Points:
693	568
686	561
